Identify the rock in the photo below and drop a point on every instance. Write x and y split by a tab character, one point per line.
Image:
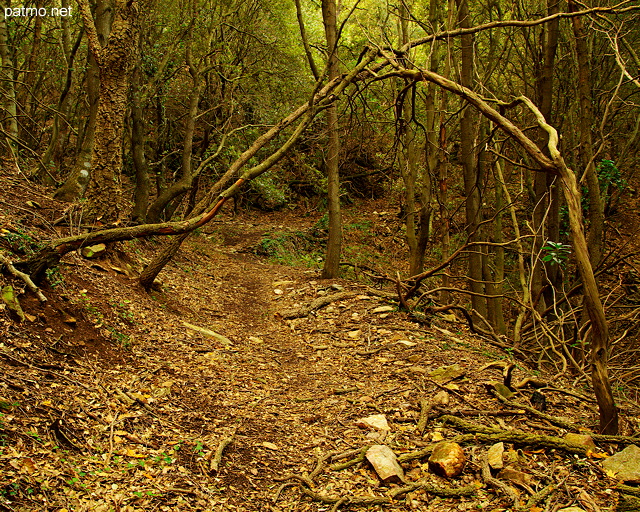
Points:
91	251
515	476
447	459
447	373
624	465
10	299
494	456
383	309
385	463
583	440
377	421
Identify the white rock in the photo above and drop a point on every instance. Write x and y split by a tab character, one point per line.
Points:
383	309
377	421
385	463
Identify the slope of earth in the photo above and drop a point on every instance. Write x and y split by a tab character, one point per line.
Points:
211	393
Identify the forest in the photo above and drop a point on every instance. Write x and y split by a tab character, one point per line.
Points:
281	255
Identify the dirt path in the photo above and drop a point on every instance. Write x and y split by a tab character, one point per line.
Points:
134	423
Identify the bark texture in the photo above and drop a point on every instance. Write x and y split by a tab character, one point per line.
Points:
115	61
334	243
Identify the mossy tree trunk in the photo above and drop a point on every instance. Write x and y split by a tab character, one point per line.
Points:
76	182
115	61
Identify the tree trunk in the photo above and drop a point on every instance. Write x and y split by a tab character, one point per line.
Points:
334	243
76	183
595	234
104	194
141	193
42	172
186	176
555	164
471	176
7	81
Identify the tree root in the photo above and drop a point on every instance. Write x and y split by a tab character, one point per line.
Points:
498	484
337	501
351	462
476	433
316	304
215	462
598	438
24	277
552	419
425	409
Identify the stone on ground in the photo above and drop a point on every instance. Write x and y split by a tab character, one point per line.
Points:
447	459
385	463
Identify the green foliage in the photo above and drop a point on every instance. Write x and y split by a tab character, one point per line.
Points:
322	224
612	184
19	241
54	276
291	248
609	176
271	195
120	337
358	226
556	253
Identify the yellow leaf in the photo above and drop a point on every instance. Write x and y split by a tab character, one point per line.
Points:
133	453
437	436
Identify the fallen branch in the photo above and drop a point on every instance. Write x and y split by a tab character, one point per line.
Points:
425	409
316	304
217	458
541	495
25	277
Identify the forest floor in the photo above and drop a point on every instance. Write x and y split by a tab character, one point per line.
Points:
201	395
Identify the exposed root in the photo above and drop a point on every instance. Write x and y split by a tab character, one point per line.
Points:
352	462
316	304
425	409
217	458
24	277
498	484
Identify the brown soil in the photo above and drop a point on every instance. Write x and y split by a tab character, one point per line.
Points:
109	402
